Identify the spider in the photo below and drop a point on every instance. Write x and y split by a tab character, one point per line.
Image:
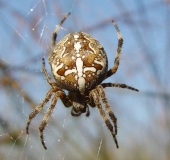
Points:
79	65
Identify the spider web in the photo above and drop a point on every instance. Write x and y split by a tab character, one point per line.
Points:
143	130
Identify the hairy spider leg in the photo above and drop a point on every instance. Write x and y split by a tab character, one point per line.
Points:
94	94
119	85
119	48
107	106
54	37
47	116
66	101
54	89
38	109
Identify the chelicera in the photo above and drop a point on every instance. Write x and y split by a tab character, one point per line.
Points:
79	65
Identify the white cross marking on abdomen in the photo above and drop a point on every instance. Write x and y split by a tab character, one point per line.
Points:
80	72
77	46
81	80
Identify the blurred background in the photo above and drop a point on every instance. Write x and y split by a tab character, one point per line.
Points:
143	118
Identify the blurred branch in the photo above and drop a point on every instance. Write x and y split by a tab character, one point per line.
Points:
8	80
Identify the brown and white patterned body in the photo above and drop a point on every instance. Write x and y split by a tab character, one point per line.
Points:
79	65
78	62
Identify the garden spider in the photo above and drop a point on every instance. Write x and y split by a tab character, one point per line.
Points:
79	65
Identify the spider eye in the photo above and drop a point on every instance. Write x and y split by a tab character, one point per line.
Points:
78	62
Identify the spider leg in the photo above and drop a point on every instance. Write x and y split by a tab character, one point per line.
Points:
119	48
91	102
46	74
38	109
87	100
107	106
94	94
88	111
47	116
119	86
66	101
57	29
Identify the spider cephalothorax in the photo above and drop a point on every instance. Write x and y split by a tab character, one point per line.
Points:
79	65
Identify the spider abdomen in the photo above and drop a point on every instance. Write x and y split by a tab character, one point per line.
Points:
78	62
